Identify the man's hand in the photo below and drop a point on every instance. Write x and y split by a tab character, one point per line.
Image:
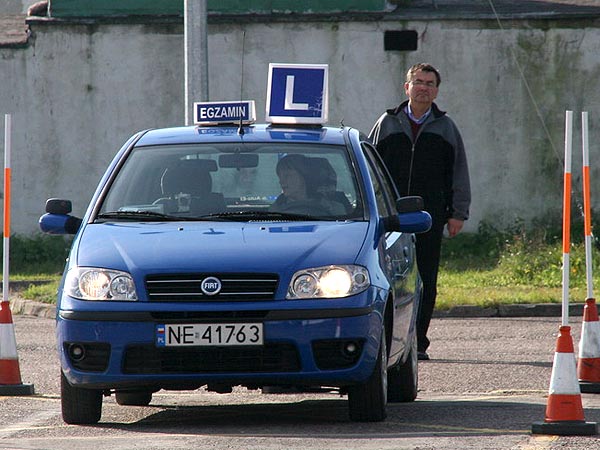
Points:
454	226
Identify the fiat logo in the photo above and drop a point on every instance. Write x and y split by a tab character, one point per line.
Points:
211	286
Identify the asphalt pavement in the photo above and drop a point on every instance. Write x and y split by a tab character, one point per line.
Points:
485	385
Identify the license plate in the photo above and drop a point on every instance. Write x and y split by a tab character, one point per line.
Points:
209	334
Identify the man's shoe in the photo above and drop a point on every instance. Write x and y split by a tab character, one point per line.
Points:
423	356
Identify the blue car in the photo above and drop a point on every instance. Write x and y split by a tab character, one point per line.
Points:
271	257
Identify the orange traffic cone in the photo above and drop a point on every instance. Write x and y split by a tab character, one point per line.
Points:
564	411
10	375
588	364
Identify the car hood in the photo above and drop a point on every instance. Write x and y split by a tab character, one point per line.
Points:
170	247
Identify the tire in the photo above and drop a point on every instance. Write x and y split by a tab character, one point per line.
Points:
367	402
79	406
132	398
403	378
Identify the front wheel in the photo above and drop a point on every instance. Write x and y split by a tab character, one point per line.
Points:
403	378
79	406
367	401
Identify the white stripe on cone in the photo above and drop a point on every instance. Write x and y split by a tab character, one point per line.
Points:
589	345
564	375
8	342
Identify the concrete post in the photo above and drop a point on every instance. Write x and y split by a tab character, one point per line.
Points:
196	55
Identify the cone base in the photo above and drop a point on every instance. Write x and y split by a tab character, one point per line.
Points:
17	389
565	428
588	387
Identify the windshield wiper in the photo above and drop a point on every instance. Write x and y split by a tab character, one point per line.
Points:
156	216
136	215
258	215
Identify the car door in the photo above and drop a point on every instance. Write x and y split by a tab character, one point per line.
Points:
399	257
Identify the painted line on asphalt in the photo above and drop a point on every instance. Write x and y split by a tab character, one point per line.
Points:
31	422
539	443
458	430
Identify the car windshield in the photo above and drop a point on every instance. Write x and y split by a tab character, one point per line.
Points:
233	181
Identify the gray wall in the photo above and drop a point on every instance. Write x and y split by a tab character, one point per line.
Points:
79	91
15	6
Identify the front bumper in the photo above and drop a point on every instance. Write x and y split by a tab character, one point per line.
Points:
119	351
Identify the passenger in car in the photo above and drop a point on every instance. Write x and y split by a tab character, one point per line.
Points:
291	171
325	183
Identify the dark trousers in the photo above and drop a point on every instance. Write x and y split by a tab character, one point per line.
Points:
428	248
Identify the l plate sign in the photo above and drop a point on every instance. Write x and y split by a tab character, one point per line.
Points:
297	94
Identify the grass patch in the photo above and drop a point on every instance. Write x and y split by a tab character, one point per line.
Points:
454	291
519	265
45	293
39	256
37	259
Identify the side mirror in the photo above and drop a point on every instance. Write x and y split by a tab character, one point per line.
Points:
408	222
57	219
58	206
410	204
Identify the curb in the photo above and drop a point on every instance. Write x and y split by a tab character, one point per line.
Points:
515	310
25	307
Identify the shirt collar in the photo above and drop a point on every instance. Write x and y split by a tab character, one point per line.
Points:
411	116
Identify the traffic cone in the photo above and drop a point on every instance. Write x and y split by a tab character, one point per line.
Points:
10	375
588	364
564	411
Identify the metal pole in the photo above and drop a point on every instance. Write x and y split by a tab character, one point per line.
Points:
567	216
196	55
6	241
587	209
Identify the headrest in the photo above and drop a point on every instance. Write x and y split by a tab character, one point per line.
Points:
190	176
294	162
322	171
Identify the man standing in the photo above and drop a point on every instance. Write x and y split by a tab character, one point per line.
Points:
425	155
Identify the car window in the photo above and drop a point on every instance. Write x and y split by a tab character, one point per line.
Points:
199	180
384	191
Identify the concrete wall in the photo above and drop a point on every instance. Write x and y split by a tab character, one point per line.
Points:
80	90
15	6
10	6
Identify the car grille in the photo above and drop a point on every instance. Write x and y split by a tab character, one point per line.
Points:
272	357
235	287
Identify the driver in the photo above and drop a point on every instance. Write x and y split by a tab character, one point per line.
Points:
298	195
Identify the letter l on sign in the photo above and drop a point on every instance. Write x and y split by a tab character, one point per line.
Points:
289	96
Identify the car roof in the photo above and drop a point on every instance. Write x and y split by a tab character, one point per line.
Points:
252	133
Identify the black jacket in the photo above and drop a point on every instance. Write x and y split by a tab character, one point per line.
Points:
434	165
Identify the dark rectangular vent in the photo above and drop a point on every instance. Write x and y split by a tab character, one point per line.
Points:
403	40
234	287
272	357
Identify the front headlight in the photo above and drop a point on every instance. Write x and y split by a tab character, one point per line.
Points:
90	283
328	282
